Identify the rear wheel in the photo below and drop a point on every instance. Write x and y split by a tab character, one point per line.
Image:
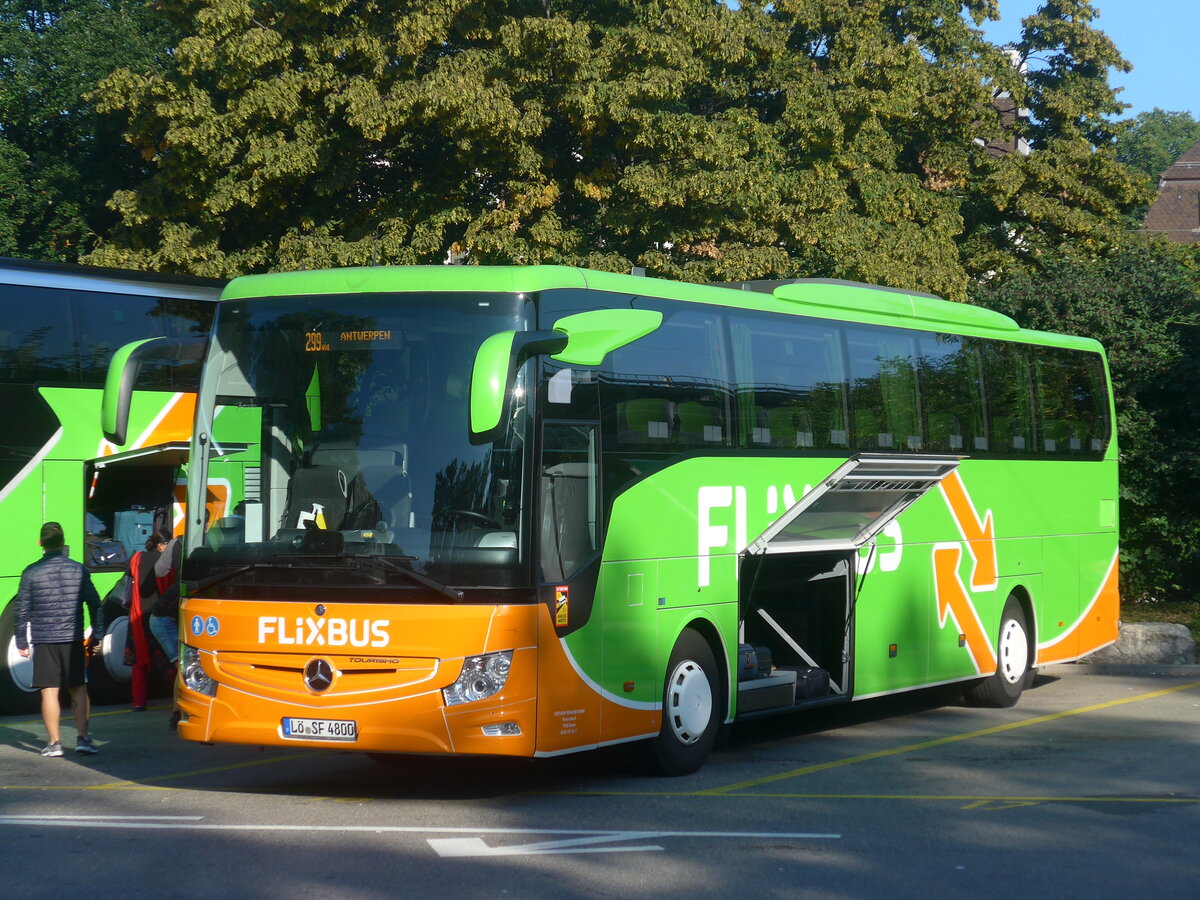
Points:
690	715
1013	671
17	693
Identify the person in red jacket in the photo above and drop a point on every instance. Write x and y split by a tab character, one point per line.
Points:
50	601
142	650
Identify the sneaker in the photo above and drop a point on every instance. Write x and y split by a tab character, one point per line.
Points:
85	745
54	749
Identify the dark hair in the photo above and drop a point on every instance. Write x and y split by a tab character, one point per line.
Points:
156	538
51	537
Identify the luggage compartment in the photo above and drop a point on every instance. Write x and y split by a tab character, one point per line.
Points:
798	608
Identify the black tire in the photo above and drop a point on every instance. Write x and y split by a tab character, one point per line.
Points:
691	714
17	695
108	676
1014	671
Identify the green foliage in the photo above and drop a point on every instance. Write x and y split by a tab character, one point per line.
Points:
1143	303
703	142
52	54
1070	189
1151	141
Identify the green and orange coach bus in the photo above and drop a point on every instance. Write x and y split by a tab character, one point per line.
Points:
535	510
59	327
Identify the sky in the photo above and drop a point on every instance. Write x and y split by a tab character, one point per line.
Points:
1161	38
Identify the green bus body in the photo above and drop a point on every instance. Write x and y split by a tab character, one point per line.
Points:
837	491
61	325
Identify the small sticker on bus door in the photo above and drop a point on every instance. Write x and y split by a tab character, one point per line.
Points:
562	603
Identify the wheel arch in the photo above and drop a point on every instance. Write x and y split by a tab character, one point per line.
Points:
1024	599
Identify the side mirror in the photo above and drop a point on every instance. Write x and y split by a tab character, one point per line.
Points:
122	375
582	339
495	369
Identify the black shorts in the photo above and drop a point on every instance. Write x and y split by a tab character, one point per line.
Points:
58	665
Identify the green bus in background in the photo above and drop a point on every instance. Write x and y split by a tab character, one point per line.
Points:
537	510
59	326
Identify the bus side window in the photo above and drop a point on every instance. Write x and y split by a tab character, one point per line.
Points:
792	382
669	389
1009	393
884	389
569	529
951	394
1070	402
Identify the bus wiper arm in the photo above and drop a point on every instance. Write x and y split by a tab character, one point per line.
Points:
388	564
211	580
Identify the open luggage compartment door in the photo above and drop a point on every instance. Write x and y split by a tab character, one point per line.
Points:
797	581
855	503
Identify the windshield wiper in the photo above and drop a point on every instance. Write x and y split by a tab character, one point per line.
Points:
388	563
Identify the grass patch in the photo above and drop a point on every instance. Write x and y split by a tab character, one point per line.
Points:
1182	612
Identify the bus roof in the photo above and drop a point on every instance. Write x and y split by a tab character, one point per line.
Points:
820	298
38	273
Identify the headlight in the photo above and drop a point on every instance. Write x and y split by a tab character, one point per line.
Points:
482	676
193	673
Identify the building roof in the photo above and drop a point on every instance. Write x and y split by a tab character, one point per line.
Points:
1176	211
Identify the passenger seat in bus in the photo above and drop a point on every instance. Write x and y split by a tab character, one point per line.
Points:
790	426
699	423
644	420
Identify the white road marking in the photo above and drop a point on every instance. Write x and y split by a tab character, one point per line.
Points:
565	840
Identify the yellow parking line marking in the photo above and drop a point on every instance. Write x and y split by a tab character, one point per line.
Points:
924	745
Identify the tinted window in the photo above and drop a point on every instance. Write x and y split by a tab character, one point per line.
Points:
951	377
37	335
1072	402
669	391
883	387
1008	389
791	382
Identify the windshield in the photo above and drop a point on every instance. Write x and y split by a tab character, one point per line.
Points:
333	433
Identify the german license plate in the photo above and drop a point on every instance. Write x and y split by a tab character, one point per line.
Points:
319	729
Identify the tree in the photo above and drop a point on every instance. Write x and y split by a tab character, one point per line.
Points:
1142	302
1070	189
699	140
1152	141
63	160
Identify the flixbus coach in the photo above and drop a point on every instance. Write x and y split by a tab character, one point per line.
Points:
59	327
535	510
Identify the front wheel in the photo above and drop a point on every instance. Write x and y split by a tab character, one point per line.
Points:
1013	671
690	714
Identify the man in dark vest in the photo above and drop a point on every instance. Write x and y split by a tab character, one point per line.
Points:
50	605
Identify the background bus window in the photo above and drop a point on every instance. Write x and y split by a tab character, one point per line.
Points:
791	383
1008	390
951	380
883	389
569	532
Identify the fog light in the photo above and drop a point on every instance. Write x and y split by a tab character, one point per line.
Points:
481	677
193	673
502	729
